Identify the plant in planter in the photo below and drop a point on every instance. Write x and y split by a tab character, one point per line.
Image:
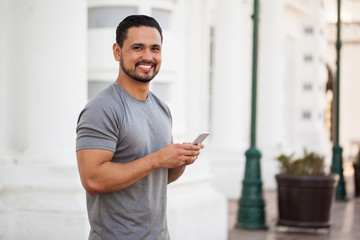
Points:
356	165
305	192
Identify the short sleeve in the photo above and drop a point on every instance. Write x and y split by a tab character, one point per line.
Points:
98	127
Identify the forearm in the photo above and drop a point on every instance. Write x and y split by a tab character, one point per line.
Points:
175	173
100	175
111	176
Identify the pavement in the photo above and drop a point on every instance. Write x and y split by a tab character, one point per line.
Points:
345	221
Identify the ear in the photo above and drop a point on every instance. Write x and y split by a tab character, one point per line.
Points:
116	51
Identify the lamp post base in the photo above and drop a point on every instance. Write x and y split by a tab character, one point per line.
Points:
337	167
251	214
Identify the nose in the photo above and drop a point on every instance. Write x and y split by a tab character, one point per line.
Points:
147	55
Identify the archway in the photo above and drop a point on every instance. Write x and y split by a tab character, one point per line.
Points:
330	107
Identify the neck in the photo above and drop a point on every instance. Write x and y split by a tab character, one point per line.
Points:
136	89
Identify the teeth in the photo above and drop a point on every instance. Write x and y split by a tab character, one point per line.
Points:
145	66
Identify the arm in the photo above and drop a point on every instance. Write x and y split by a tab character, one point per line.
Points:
175	173
99	175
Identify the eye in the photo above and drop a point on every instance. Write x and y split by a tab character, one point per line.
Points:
137	48
156	49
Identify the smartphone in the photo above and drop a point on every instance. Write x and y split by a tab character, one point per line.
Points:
200	138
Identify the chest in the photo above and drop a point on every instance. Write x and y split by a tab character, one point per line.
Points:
145	128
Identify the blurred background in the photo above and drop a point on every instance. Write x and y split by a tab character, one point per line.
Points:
56	55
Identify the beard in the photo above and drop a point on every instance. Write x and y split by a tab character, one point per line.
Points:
147	77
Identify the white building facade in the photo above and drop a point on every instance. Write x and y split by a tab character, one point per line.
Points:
55	55
43	88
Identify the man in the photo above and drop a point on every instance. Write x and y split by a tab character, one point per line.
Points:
124	145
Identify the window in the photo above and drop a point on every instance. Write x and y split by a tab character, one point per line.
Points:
108	17
309	30
306	115
95	87
307	87
163	17
308	58
161	90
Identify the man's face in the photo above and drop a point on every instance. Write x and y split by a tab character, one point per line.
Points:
140	56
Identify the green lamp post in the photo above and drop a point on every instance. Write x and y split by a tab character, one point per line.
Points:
251	213
337	162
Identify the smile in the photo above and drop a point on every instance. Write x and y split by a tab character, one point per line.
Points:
145	66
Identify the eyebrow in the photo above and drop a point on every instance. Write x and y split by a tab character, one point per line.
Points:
141	45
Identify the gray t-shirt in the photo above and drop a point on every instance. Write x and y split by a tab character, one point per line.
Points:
131	128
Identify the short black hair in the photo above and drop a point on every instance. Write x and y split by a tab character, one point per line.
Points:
135	21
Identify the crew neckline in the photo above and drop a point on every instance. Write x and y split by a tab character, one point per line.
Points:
130	96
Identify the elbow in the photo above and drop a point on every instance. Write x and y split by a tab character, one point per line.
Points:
91	186
172	179
174	174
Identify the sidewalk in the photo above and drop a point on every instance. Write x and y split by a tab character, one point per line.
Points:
345	221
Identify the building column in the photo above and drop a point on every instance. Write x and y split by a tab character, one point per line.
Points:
311	130
230	95
3	102
195	209
4	26
271	115
45	79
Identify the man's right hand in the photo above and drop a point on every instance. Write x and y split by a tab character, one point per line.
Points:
176	155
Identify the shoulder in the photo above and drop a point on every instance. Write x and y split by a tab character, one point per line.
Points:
106	104
99	123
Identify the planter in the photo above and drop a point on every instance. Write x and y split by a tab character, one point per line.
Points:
357	179
305	201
